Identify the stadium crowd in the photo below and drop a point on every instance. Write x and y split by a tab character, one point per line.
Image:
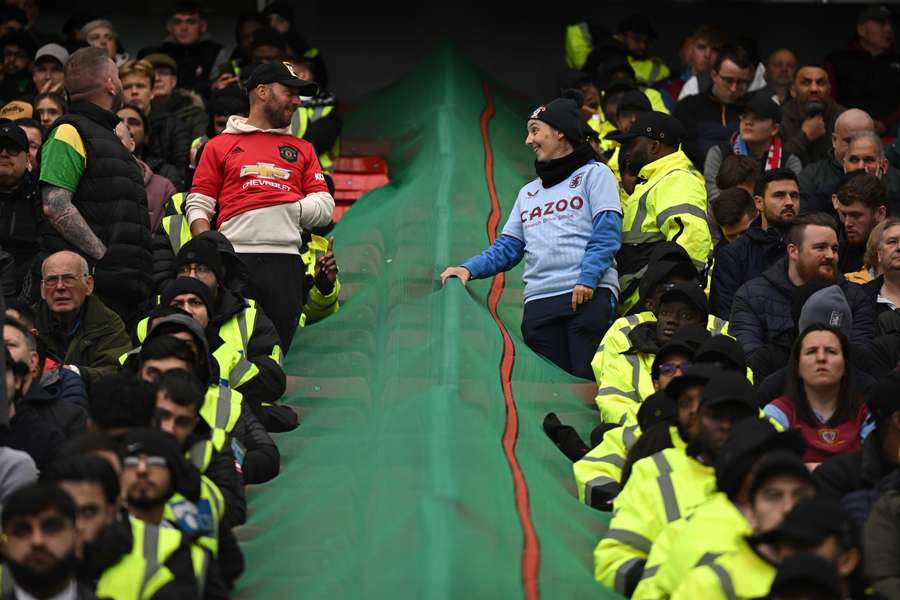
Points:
719	250
162	223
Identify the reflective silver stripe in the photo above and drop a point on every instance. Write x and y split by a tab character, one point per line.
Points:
718	325
654	73
622	573
626	281
201	577
198	455
595	483
708	559
629	538
613	390
244	364
223	407
670	502
175	232
635	376
649	572
298	122
6	582
612	459
679	209
662	464
641	215
725	581
151	554
242	329
317	113
629	436
214	497
586	33
622	420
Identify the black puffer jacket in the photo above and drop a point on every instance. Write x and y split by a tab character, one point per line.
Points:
262	460
170	142
761	312
740	261
20	213
854	471
707	123
68	417
113	202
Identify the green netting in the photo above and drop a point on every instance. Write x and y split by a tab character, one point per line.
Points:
396	484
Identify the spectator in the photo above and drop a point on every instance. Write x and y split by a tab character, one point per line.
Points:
809	115
159	189
280	16
12	19
18	53
196	55
738	171
230	101
49	107
819	400
761	311
68	417
815	525
139	127
777	198
570	280
758	138
671	199
19	203
35	135
821	176
262	224
41	544
243	37
734	212
871	268
74	323
16	110
636	35
711	118
630	105
865	74
48	71
268	47
80	193
760	476
701	47
865	152
646	505
624	379
616	73
861	205
885	288
322	288
186	105
101	34
781	67
169	138
317	121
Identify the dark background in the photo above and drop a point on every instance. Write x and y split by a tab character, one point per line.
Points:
370	44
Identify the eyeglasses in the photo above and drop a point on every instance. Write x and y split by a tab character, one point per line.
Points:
733	82
669	368
66	279
195	268
132	462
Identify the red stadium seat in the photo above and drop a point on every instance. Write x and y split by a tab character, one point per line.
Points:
351	180
369	165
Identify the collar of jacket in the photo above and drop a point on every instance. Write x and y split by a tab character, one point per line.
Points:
777	275
95	113
770	236
38	394
229	304
643	338
669	162
239	124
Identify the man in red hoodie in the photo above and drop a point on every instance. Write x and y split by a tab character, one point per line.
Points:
260	186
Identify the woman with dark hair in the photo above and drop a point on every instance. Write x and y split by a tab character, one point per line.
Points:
820	401
48	107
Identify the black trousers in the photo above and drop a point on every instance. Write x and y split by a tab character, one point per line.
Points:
568	339
276	282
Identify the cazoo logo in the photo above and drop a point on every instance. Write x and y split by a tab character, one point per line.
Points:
550	208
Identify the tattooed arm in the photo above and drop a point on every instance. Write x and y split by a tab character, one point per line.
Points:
66	219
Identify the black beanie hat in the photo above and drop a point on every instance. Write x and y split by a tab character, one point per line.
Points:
563	114
154	442
204	252
188	285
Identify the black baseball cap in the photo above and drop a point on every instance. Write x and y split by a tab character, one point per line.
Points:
802	573
687	291
697	374
637	23
784	461
882	398
655	126
728	387
684	341
725	350
659	272
283	73
876	12
656	408
15	134
634	99
746	443
762	105
811	521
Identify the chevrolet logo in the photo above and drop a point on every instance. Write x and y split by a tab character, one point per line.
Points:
265	171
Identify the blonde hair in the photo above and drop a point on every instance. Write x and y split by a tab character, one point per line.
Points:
137	67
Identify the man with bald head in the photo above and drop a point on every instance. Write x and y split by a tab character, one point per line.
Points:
80	331
92	188
809	114
823	175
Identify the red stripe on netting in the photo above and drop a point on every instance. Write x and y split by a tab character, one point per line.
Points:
531	550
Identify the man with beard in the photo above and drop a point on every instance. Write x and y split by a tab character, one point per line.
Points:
41	544
263	186
861	205
761	311
87	175
777	197
809	114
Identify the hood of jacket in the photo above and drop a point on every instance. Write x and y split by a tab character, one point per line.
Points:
670	162
643	338
193	327
229	304
777	276
239	124
235	270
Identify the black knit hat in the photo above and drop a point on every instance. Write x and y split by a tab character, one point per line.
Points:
563	114
203	252
188	285
153	442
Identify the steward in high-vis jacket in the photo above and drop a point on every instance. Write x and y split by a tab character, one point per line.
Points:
625	378
718	525
646	506
669	202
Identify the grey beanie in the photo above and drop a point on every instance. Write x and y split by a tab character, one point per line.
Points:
828	306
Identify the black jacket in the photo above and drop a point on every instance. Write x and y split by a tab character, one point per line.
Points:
262	460
871	83
113	202
20	213
761	312
68	417
872	289
820	179
82	592
707	123
34	435
170	143
796	142
846	473
740	261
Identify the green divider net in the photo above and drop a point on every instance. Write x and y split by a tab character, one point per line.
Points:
396	484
